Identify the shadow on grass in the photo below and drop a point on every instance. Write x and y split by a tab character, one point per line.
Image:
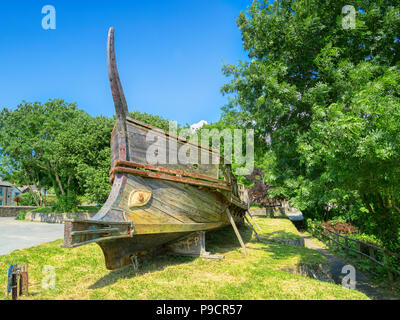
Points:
217	242
221	241
225	240
148	265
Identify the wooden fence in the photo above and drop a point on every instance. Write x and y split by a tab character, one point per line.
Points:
379	256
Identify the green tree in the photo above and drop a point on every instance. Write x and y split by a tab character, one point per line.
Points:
303	63
28	135
55	145
354	145
153	120
46	144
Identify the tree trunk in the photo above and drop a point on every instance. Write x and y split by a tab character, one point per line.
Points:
33	196
59	182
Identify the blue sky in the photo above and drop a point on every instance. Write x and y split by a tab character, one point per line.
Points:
170	54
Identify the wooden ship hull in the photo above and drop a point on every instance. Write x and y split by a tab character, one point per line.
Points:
153	206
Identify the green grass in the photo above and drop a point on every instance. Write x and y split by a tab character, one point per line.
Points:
316	240
277	228
20	216
81	274
79	209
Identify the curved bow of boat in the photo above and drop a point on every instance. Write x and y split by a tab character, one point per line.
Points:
110	222
121	107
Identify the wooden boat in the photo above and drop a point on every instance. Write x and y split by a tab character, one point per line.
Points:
152	206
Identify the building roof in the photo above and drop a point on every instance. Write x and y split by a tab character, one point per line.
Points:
24	189
5	184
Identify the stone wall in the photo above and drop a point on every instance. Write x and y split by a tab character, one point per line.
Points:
278	212
290	242
258	211
269	212
319	271
13	211
56	217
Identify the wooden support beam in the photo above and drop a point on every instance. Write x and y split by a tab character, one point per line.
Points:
236	231
251	217
251	226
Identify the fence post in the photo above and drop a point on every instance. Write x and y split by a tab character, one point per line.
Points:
358	249
327	236
14	284
329	239
338	240
371	252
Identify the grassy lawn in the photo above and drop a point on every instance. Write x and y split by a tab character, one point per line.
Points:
277	228
81	274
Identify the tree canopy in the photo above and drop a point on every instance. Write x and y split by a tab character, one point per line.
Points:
56	145
327	100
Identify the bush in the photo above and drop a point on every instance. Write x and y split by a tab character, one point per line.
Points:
21	216
27	199
371	239
51	200
309	223
340	227
17	200
66	203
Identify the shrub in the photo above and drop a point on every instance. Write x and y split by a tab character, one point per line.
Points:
368	239
21	216
340	227
27	199
51	200
17	200
66	203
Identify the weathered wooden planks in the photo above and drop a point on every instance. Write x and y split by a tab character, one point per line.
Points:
139	146
171	204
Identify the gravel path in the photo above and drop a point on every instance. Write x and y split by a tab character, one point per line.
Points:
363	283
